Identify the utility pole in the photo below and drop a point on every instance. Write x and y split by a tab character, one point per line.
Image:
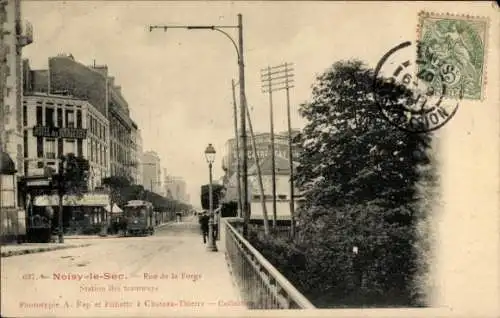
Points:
241	69
259	174
257	165
267	81
236	139
275	79
243	101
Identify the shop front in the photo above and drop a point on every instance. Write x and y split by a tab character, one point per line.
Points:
82	215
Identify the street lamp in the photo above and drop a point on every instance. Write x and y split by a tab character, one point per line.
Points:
210	156
241	70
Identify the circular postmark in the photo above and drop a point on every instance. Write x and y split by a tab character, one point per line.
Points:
407	94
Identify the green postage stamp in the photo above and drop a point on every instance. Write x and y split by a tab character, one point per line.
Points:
454	48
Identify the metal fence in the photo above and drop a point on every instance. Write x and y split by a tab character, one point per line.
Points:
261	284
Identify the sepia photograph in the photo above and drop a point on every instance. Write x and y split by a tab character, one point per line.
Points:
249	158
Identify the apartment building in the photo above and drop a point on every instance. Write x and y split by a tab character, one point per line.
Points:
14	35
151	167
93	83
56	125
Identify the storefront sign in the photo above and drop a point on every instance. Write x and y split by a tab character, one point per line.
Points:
56	132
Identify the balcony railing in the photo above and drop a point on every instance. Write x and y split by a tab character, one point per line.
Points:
261	284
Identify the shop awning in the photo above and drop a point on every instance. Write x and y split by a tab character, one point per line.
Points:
87	199
116	209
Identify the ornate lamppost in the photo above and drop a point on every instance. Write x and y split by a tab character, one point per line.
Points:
210	156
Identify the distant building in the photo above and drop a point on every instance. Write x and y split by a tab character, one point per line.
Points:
175	187
263	145
151	172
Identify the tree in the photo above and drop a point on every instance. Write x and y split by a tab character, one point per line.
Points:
70	180
358	174
115	184
217	190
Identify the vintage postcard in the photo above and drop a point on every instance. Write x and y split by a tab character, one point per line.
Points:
249	159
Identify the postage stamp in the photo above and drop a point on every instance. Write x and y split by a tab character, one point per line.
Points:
455	46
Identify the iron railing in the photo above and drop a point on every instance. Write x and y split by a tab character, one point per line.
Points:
261	285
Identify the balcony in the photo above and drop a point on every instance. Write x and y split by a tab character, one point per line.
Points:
25	35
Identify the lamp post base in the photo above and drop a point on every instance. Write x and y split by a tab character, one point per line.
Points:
211	247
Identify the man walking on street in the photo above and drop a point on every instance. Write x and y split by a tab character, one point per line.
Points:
203	220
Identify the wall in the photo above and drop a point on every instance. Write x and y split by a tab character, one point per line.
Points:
66	74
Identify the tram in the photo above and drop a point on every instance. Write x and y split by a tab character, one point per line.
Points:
140	218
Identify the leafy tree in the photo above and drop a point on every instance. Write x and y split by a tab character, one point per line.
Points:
358	174
217	190
116	184
71	180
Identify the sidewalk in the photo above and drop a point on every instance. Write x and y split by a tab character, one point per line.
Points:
28	248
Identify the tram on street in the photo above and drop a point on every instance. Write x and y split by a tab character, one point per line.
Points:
140	218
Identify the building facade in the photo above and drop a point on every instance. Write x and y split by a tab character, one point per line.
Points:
134	167
14	35
263	145
282	174
92	83
56	125
151	170
175	188
139	166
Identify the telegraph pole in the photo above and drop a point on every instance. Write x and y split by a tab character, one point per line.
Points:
275	79
267	81
236	139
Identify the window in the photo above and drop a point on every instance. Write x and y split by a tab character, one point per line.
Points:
25	115
39	147
59	117
88	149
282	197
25	143
70	118
105	157
60	147
101	154
49	117
78	119
92	150
39	164
39	116
71	146
50	149
79	148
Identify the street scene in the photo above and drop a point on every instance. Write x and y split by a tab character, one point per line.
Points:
154	274
177	158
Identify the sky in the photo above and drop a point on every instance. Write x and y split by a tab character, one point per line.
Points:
178	83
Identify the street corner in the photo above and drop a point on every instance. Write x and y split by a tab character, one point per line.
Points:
8	251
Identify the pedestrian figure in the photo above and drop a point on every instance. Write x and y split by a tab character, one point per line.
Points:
204	219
